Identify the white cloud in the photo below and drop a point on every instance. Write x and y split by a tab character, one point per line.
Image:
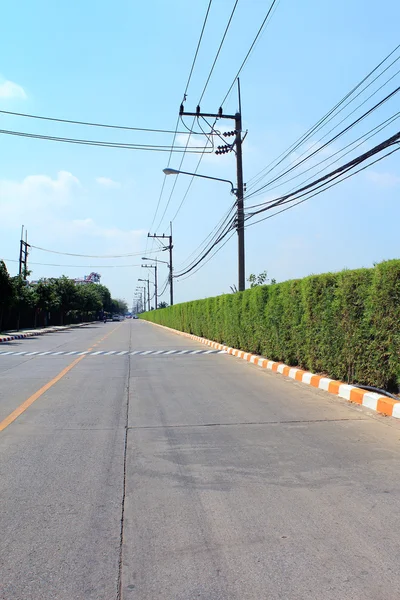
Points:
383	179
35	197
9	89
108	183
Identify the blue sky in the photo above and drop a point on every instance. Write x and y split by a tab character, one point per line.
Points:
128	64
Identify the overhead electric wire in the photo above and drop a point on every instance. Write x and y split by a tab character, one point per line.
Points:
321	184
89	255
104	144
74	266
342	132
322	190
218	51
213	234
179	168
86	123
323	120
333	174
208	259
250	50
177	122
165	284
224	232
361	139
190	130
198	48
297	162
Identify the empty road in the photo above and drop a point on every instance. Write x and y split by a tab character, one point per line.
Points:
135	466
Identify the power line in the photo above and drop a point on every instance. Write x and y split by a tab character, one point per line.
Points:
210	237
325	119
86	123
333	174
198	48
297	162
361	139
250	50
323	190
208	259
342	132
228	228
177	122
166	283
75	266
309	191
153	148
90	255
219	50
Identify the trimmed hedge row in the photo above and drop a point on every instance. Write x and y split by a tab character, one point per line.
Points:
346	325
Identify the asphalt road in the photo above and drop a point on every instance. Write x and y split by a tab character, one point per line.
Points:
186	477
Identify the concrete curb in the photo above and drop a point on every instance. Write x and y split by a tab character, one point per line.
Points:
20	336
381	404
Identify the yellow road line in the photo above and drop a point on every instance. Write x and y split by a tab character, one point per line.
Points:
27	403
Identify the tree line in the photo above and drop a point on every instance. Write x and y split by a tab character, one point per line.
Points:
53	301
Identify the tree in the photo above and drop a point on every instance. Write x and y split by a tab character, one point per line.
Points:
6	290
162	305
47	299
88	299
119	306
260	279
23	296
66	295
105	297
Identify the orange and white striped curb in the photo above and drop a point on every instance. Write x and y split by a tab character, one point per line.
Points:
381	404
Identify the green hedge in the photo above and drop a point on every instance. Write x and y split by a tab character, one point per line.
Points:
346	325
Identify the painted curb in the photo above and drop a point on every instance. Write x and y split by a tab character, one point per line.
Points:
21	336
381	404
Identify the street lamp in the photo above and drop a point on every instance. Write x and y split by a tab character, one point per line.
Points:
148	292
169	171
156	260
155	279
240	214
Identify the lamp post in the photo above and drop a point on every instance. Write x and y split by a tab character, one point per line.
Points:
155	279
148	292
240	214
164	262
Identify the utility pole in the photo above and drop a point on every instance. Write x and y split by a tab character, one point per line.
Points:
23	254
155	280
144	297
169	247
239	192
148	293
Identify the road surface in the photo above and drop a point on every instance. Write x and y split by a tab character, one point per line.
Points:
130	474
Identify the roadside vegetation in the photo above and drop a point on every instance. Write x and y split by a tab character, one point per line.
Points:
53	301
344	325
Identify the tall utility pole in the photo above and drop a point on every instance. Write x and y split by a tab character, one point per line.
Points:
239	192
169	247
155	281
23	254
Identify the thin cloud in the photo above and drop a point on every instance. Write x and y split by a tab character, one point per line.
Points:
383	179
108	183
9	89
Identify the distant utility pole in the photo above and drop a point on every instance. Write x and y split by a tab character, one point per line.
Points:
148	292
23	254
239	173
155	280
169	247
